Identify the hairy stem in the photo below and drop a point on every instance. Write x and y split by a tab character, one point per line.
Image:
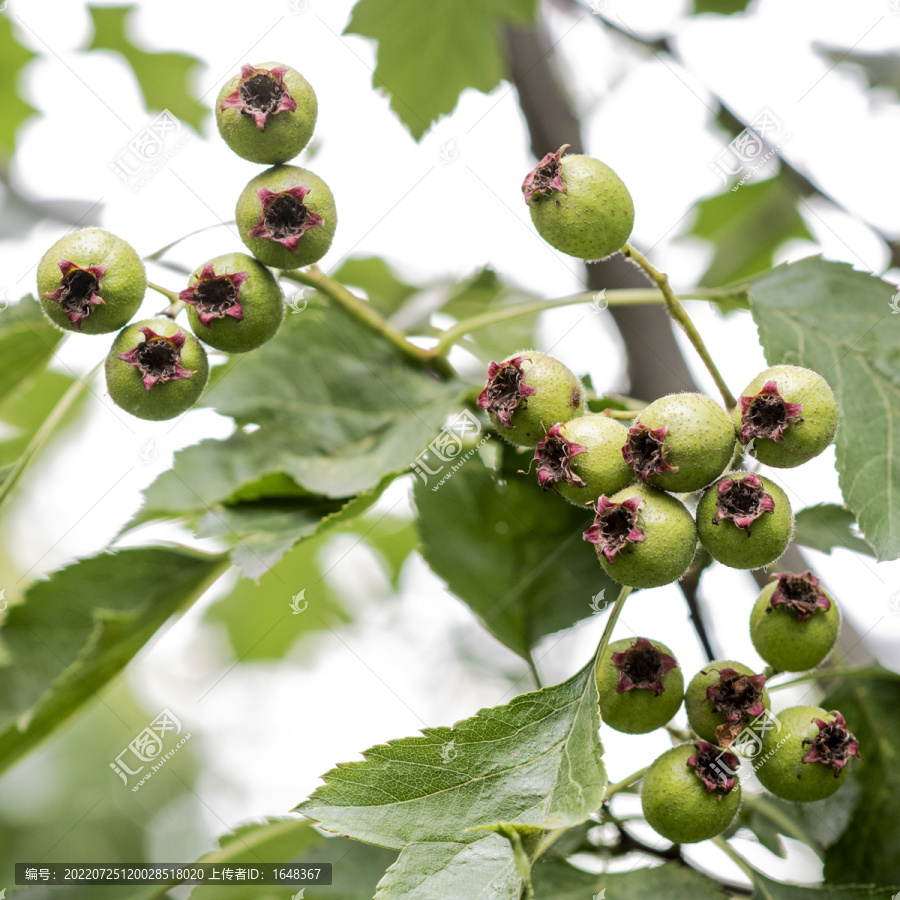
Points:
171	295
363	312
677	312
626	782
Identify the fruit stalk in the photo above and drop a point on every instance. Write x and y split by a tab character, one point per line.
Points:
614	614
625	783
678	313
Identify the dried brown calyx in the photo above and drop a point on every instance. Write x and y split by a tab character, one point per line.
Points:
743	501
799	595
615	526
767	414
505	389
642	665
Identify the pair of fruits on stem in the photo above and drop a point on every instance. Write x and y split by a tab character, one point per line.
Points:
93	282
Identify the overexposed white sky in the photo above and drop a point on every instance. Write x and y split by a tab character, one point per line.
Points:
431	218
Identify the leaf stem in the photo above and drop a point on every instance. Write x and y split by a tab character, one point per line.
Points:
626	782
734	856
837	672
677	312
532	666
614	614
44	433
364	312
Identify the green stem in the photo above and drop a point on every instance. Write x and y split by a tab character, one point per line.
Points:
159	254
173	310
614	614
626	782
732	854
837	672
677	312
532	666
314	277
172	296
43	434
619	413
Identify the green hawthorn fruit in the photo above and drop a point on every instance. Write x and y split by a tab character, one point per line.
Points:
680	443
581	459
91	281
722	697
644	537
788	413
579	205
528	393
794	623
744	521
804	758
286	217
640	685
156	369
235	303
690	793
267	113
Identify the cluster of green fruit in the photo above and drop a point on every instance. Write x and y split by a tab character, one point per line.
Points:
93	282
646	537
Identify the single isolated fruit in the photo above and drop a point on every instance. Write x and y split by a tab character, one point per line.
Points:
528	393
788	413
805	758
235	303
640	685
690	793
644	537
156	369
794	623
722	698
579	205
91	281
580	459
744	521
680	443
267	113
286	217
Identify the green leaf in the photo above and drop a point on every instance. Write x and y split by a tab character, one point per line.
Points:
63	643
558	880
839	322
27	341
882	70
868	850
428	54
767	889
539	575
386	291
747	227
165	79
826	526
13	109
722	7
534	761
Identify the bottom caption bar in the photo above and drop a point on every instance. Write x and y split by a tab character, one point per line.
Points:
175	873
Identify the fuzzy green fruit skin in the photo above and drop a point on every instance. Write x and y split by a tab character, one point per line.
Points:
285	134
262	304
593	218
601	467
669	545
783	773
313	244
122	287
164	400
787	644
676	804
639	710
700	440
558	397
703	717
769	535
801	441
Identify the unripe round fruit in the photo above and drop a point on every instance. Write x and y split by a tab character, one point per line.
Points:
722	697
644	537
267	113
805	759
640	685
528	393
581	459
689	803
286	216
235	303
579	205
790	415
744	521
163	372
91	281
680	443
794	623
